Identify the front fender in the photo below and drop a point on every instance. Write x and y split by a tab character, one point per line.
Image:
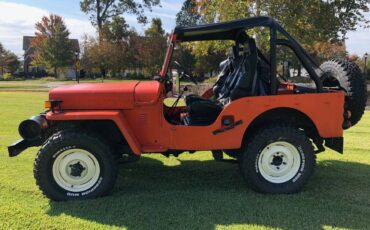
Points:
115	115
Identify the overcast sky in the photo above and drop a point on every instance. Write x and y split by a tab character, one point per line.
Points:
18	17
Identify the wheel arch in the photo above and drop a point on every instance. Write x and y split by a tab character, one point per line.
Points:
105	121
283	115
107	129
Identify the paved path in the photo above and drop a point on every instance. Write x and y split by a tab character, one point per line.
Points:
55	84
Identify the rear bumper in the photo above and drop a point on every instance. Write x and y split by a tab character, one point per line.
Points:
16	148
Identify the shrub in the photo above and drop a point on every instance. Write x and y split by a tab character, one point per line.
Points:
135	76
7	77
49	78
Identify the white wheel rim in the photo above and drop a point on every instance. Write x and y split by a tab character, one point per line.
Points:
76	170
279	162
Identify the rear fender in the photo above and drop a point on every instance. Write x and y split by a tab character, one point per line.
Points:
116	116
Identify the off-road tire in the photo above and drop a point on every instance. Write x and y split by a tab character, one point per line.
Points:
75	139
349	77
250	159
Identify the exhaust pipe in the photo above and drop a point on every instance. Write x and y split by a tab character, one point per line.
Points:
32	128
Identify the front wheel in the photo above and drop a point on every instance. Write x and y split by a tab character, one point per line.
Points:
278	159
74	165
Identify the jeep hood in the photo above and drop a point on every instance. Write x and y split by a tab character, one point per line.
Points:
110	96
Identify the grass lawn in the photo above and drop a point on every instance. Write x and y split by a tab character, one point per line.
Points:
40	85
189	192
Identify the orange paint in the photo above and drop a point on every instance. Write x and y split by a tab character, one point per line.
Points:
138	111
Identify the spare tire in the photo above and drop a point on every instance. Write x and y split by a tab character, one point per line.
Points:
347	76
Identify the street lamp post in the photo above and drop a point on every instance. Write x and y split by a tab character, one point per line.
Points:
365	58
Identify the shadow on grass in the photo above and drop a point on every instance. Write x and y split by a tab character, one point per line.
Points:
203	195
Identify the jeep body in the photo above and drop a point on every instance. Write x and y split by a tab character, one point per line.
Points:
132	116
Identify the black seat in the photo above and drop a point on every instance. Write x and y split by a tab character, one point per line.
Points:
226	67
240	81
203	113
231	79
191	98
247	82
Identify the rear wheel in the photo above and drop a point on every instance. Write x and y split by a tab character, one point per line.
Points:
347	76
73	165
278	159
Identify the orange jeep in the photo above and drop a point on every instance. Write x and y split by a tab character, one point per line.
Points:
254	113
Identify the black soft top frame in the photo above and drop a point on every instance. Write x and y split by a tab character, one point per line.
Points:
229	31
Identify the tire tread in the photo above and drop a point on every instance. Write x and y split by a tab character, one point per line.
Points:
247	160
57	140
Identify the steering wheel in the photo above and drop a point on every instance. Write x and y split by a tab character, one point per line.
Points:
184	73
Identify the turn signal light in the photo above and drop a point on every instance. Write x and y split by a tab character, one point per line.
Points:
47	104
52	104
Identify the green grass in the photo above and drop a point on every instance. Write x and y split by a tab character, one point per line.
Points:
189	192
41	85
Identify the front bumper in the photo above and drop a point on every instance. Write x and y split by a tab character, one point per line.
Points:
16	148
32	132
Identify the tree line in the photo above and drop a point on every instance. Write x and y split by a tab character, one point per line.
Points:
9	63
120	51
320	26
117	50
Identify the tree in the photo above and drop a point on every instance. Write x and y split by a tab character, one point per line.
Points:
184	56
326	50
208	63
108	13
153	47
188	15
155	29
308	21
9	62
360	61
117	30
2	50
2	58
322	20
53	49
97	56
113	55
102	11
353	57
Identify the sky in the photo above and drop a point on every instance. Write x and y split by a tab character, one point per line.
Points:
18	18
